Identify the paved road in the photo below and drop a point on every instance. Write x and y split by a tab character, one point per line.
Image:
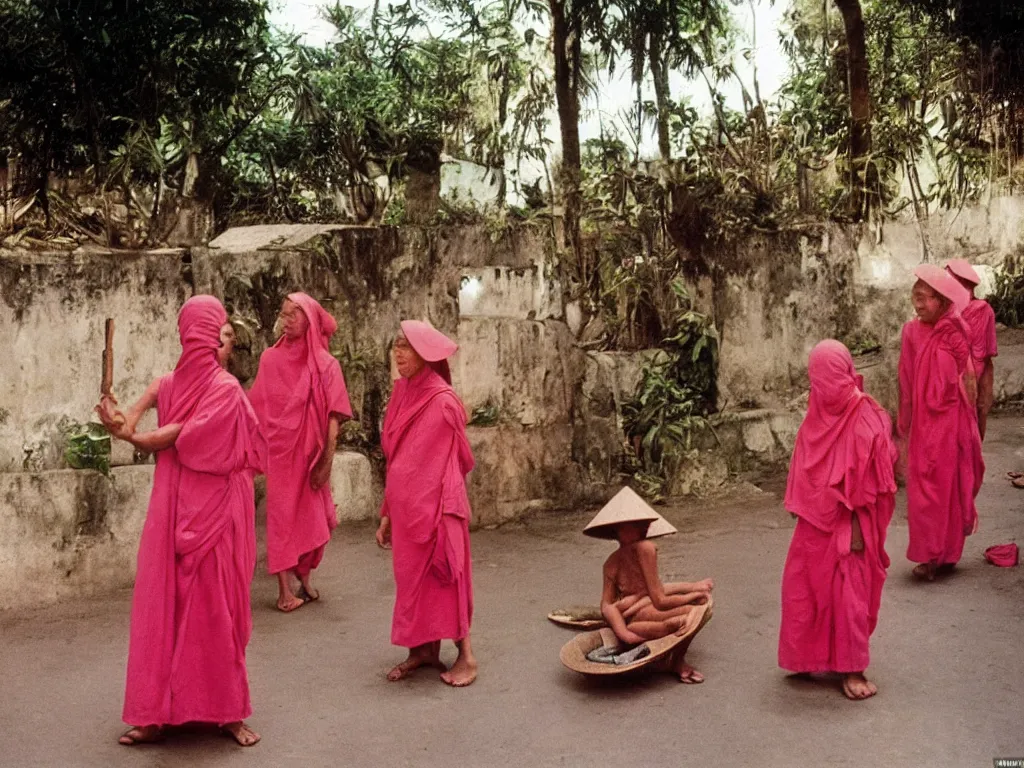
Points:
948	659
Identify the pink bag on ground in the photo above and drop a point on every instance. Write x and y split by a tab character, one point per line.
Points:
1003	555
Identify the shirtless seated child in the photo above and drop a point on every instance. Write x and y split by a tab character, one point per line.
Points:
634	602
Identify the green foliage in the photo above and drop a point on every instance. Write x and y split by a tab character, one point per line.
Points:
486	415
386	96
88	447
1007	299
674	397
77	79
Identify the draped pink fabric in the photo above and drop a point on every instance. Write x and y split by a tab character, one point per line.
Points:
981	324
938	425
842	467
191	617
428	457
298	386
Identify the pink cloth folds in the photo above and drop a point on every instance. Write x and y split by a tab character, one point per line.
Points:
428	458
981	325
938	427
1003	555
191	617
298	386
842	467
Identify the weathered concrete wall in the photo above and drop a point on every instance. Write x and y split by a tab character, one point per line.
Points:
68	532
52	308
498	298
783	293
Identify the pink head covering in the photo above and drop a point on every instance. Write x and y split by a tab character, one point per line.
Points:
430	344
199	324
962	269
842	455
1003	555
943	283
321	325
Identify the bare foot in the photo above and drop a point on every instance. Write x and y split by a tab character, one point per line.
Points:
425	656
462	673
146	734
306	591
689	675
857	687
290	603
925	571
242	733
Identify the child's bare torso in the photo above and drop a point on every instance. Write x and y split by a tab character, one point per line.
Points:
627	574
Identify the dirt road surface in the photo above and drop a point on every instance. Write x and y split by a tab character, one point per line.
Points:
948	659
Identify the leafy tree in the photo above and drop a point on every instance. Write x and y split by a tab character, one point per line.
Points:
78	77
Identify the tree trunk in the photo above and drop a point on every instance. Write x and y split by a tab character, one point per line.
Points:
859	90
662	95
567	50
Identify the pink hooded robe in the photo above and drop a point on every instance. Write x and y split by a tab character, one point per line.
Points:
938	424
298	386
980	319
191	618
842	467
428	458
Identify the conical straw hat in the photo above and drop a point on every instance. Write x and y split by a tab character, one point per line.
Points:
626	507
660	527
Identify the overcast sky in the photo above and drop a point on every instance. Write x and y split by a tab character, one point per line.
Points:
302	16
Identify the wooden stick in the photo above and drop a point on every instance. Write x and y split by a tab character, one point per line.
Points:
107	383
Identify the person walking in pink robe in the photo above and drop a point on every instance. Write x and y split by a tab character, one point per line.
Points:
425	515
937	426
191	617
981	323
300	398
841	489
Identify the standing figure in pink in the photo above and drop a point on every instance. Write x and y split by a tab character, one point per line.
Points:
300	398
425	515
938	425
842	490
981	326
191	618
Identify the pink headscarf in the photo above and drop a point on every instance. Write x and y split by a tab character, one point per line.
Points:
943	283
430	344
844	453
199	324
963	269
314	354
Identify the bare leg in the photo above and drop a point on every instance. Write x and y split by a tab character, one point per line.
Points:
463	671
426	655
857	687
650	613
681	669
653	630
286	599
242	733
141	734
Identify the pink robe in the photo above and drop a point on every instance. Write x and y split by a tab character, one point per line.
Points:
842	466
191	617
428	458
299	385
981	324
938	425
